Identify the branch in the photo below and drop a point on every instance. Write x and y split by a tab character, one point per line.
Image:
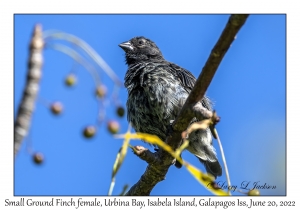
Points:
156	171
35	61
144	154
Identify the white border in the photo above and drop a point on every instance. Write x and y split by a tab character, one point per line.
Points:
8	8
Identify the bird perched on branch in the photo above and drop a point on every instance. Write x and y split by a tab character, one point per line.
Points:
157	90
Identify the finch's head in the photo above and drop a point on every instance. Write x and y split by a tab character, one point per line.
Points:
140	49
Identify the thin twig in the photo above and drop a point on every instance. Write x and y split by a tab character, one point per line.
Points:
124	190
88	49
77	57
223	158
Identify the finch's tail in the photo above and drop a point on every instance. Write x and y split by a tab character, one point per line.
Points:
214	168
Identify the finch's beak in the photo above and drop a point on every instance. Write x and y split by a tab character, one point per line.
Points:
126	46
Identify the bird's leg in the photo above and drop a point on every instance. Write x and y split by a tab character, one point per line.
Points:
169	132
170	128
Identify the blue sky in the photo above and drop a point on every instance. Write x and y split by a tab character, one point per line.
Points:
249	91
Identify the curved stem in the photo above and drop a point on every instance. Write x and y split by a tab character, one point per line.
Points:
223	158
88	49
77	57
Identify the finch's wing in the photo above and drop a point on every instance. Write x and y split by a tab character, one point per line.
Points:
188	80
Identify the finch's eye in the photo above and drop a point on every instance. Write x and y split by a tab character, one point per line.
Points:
141	42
